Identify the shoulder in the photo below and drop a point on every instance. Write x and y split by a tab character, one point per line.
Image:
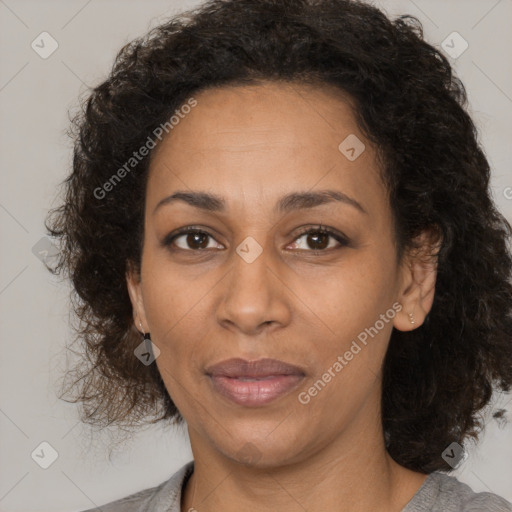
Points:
444	493
164	497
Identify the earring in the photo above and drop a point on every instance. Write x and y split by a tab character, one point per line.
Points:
411	318
147	351
145	335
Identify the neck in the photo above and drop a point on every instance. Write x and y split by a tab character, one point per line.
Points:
353	473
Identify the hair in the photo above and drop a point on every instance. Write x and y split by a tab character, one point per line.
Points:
438	377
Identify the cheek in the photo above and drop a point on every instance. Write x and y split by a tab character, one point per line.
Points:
179	316
179	330
349	358
350	295
176	295
172	294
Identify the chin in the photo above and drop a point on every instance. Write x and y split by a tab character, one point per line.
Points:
259	450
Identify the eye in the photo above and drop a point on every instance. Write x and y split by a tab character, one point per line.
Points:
191	239
318	239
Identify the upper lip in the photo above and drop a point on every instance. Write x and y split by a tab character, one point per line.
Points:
238	367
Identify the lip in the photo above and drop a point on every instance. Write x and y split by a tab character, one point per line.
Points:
254	383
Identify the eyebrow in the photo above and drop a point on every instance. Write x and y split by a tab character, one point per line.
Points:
291	202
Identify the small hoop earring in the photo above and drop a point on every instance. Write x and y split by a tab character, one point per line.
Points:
411	318
145	335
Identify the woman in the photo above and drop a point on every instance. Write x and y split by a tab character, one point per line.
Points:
279	229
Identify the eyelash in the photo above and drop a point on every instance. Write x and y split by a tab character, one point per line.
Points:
342	240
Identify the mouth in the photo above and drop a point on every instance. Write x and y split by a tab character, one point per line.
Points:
254	383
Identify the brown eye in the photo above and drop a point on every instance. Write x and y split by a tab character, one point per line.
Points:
190	240
319	239
197	240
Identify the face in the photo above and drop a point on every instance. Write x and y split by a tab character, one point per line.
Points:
260	279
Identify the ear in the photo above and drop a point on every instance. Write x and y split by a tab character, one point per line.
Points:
133	282
418	280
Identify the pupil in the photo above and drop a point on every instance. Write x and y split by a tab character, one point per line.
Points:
315	243
192	240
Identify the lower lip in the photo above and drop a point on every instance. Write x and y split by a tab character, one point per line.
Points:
254	393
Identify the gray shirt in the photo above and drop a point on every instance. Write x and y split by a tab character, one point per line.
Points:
439	493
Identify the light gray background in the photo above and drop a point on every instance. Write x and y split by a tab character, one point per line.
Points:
35	95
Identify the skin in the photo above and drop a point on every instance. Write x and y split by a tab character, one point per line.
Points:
252	145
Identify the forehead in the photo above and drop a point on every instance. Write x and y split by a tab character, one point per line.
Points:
252	140
270	113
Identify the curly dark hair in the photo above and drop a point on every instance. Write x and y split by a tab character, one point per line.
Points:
436	378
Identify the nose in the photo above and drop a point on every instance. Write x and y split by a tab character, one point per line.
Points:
254	295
